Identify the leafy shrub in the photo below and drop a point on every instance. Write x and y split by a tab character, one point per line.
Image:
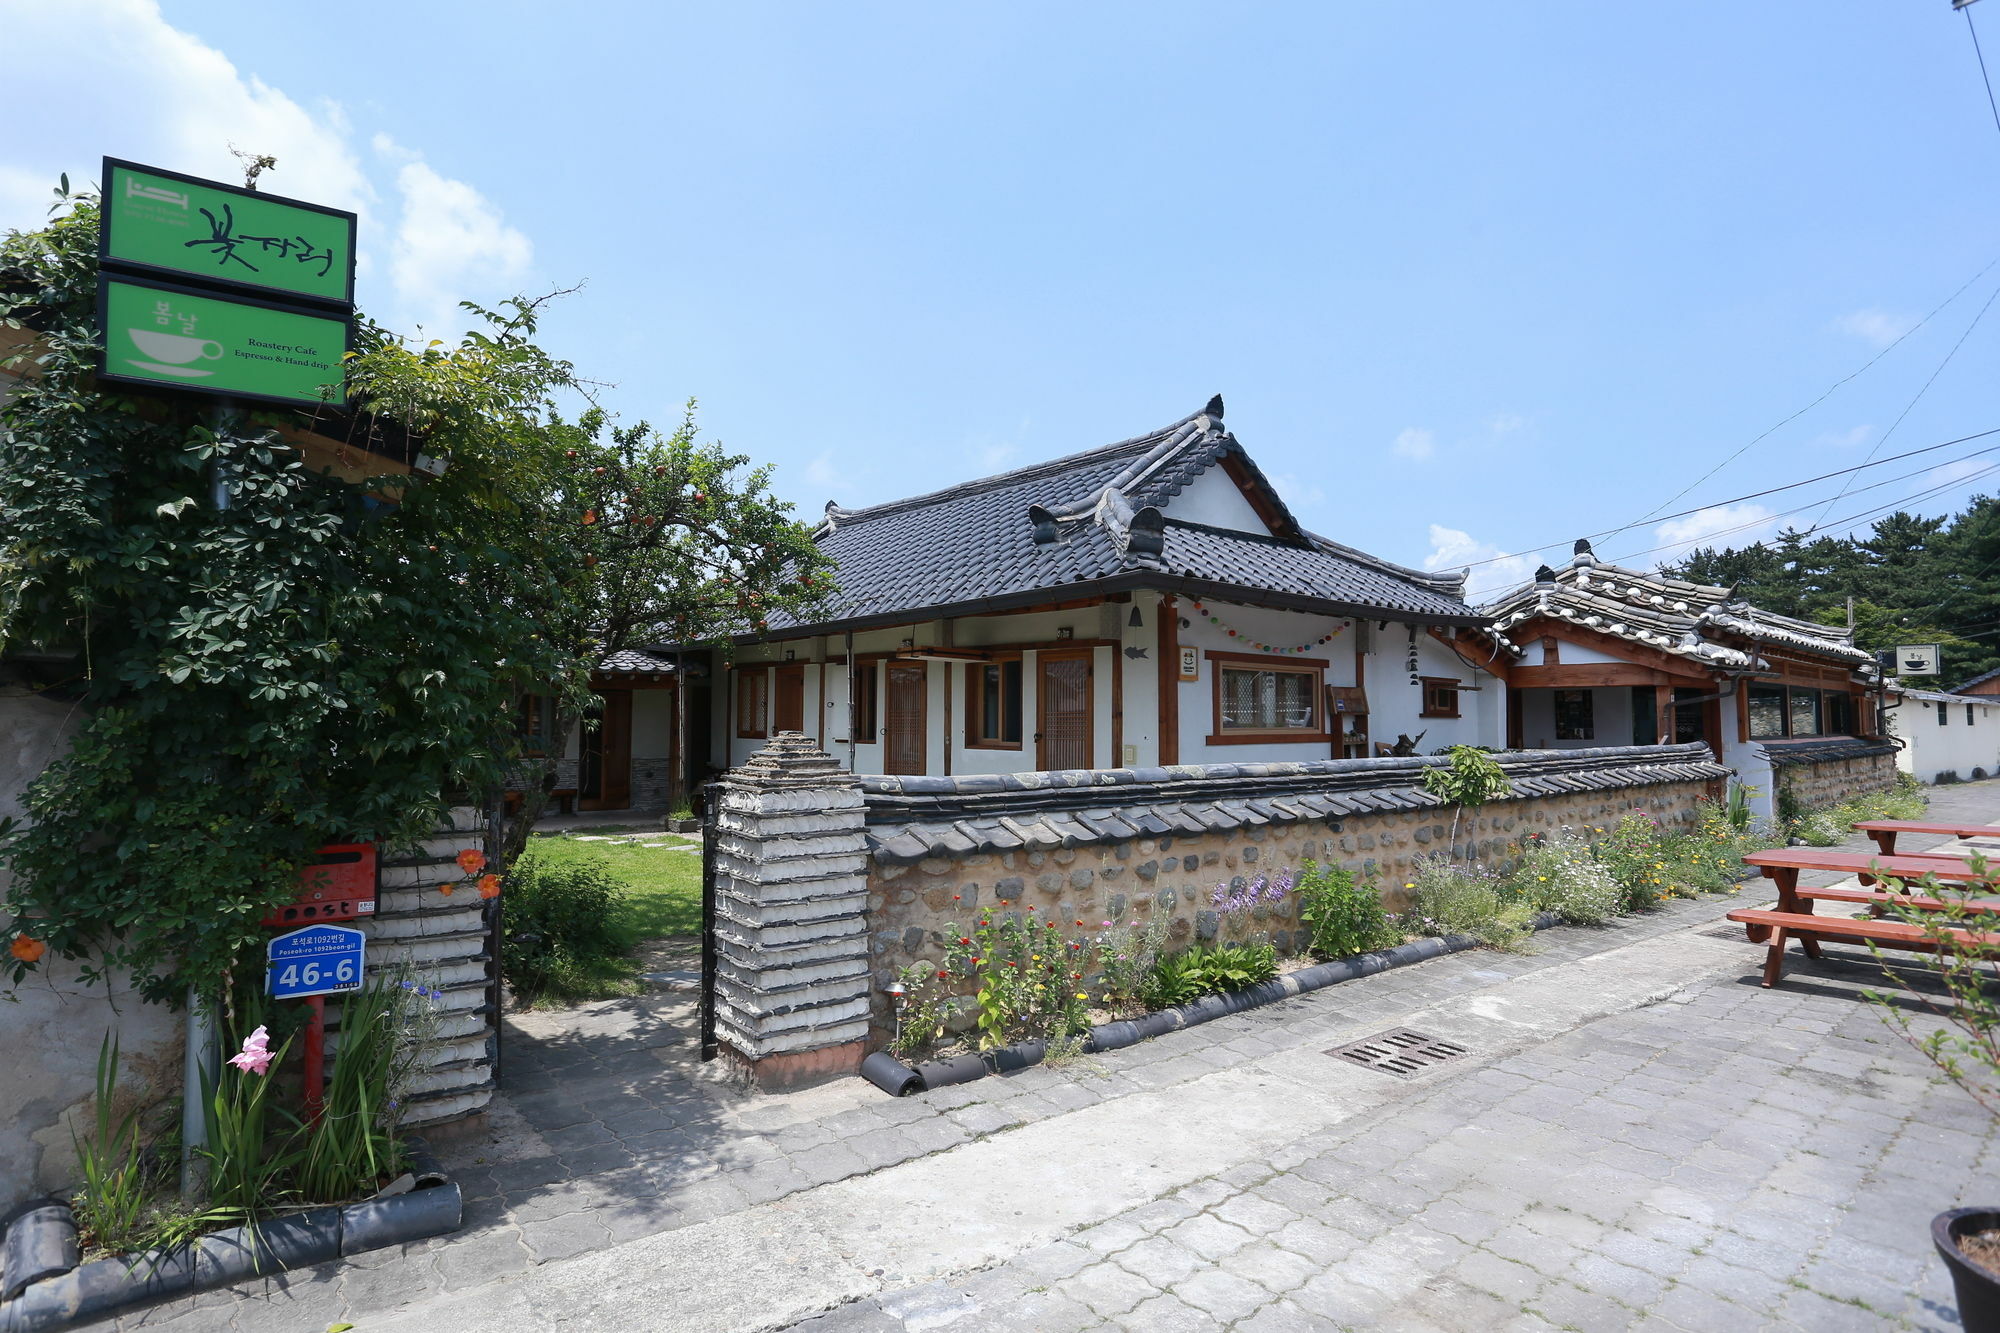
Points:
1345	918
1965	1045
1829	825
1178	978
1125	957
1447	899
556	919
1559	874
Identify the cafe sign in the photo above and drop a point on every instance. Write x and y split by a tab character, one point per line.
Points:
166	225
160	334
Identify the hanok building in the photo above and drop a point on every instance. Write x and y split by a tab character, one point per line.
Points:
1613	656
1150	602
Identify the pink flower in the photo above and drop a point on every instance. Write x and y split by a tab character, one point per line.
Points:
256	1055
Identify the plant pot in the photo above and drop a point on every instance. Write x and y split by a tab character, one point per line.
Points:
1978	1290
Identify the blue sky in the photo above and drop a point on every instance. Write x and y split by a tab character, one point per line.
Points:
1471	277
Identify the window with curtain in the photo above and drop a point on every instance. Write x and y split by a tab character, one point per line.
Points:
753	695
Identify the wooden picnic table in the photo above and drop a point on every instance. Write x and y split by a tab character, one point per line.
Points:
1781	865
1884	831
1794	917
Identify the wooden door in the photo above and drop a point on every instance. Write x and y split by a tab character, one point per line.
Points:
903	732
788	698
607	760
1064	723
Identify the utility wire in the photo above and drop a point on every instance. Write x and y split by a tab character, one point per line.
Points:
1973	32
1837	523
1772	490
1836	386
1911	406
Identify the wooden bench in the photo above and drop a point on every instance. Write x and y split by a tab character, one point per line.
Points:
1884	832
1879	901
1809	930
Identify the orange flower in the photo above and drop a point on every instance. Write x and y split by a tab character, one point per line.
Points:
472	860
446	889
589	517
27	948
489	886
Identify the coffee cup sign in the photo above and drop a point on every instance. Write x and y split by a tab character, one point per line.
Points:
165	335
1921	659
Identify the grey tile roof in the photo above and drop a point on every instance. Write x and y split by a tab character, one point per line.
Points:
632	660
1945	697
1980	679
1697	621
1094	521
912	818
1786	754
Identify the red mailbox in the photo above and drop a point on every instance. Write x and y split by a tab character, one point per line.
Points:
339	885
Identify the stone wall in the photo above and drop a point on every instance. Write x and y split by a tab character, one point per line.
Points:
1808	774
1136	845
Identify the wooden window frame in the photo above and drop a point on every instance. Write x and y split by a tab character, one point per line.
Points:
1087	656
975	702
531	724
761	724
1313	668
1453	683
864	719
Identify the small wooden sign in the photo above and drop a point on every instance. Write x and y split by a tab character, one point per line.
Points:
1190	664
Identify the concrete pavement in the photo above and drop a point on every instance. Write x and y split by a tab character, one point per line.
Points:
1638	1137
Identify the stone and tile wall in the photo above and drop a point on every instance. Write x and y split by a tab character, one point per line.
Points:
828	884
1807	774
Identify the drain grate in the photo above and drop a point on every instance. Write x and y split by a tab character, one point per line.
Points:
1400	1051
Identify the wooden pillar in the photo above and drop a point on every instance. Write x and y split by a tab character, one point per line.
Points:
1663	708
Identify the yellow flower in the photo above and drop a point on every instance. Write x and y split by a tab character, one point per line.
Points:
1081	996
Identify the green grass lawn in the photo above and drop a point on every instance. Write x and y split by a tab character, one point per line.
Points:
663	886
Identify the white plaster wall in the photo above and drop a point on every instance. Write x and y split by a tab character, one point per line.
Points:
49	1033
1612	710
1954	747
1212	498
652	724
1752	769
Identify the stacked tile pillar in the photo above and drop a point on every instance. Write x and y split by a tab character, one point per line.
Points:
791	897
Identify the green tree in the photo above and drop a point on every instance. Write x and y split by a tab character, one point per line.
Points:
308	664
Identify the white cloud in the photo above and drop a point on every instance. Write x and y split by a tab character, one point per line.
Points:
450	244
822	472
1415	443
1298	493
1879	327
1718	525
1852	438
1957	470
1506	423
1493	570
161	96
994	457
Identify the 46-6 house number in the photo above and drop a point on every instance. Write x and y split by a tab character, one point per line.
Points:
317	960
295	975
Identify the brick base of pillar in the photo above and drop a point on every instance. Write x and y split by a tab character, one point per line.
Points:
795	1069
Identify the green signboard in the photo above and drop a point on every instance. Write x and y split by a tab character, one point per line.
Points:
169	224
167	336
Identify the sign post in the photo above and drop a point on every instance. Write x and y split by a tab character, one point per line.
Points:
1918	659
212	289
309	965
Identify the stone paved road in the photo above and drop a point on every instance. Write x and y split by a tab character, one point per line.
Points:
1778	1153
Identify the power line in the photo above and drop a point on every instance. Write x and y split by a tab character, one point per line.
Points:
1911	406
1837	523
1648	516
1772	490
1973	32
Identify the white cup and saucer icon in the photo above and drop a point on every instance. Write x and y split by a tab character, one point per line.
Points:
171	352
